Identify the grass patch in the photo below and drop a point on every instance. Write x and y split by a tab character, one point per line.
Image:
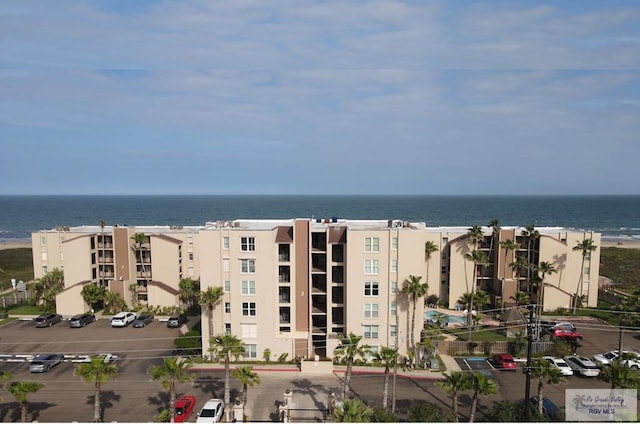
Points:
483	334
16	263
24	310
621	265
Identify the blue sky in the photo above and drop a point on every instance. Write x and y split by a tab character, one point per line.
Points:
319	97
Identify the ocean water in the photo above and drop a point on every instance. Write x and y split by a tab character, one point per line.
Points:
616	217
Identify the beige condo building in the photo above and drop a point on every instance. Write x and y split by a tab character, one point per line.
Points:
294	285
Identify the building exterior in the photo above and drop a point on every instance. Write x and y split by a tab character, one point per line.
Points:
294	285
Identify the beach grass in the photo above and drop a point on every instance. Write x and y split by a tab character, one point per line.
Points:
15	263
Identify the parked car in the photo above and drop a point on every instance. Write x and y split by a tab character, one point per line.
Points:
44	362
582	365
562	334
211	412
549	409
81	320
504	360
47	320
143	320
122	319
184	408
559	364
631	358
177	320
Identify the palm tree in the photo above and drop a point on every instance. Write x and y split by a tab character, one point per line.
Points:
494	224
352	411
102	224
188	292
226	345
507	245
521	298
478	258
546	374
248	378
585	246
453	384
518	265
481	298
140	240
620	376
20	390
429	248
47	287
172	371
97	371
210	298
5	376
542	270
113	302
414	289
481	385
476	234
350	347
530	234
387	357
92	294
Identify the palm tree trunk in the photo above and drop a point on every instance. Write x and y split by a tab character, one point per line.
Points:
454	400
385	389
474	406
210	307
23	411
579	288
227	381
540	384
347	378
413	332
172	401
97	413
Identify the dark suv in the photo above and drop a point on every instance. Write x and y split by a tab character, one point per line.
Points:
81	320
177	321
47	320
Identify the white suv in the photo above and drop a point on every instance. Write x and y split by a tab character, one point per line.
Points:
122	319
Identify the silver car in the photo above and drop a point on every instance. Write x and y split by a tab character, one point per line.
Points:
44	362
582	365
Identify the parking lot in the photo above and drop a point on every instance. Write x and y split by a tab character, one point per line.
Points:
134	397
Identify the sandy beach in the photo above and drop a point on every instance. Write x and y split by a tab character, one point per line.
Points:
14	245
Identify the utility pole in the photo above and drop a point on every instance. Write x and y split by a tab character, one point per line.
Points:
527	371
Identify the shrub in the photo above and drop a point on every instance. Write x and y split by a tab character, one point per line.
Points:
189	343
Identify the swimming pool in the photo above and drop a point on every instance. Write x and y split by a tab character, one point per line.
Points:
430	315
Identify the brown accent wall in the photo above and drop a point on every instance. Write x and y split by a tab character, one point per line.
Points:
301	347
121	248
302	285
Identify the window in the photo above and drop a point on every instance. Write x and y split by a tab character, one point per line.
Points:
249	331
445	241
393	330
587	256
250	351
586	270
190	256
225	264
371	353
227	307
394	287
190	240
45	269
248	244
371	331
394	265
371	266
227	286
443	269
370	288
227	328
43	256
371	244
394	243
371	310
248	266
225	243
248	287
394	308
43	241
248	309
191	271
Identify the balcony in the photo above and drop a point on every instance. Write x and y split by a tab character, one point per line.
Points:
284	274
285	315
284	253
318	262
284	295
